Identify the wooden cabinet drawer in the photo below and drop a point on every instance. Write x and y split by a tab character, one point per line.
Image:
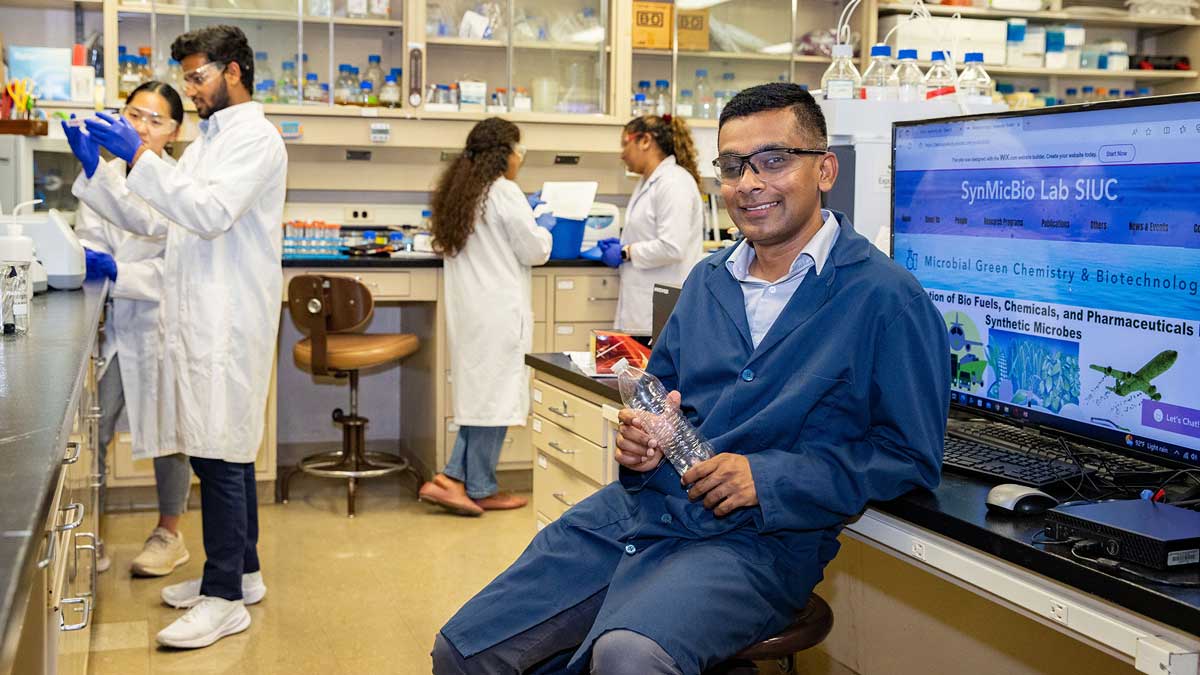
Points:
557	488
585	298
571	449
576	337
569	411
384	285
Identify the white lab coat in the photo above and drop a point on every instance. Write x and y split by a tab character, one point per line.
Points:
131	329
221	209
489	319
664	229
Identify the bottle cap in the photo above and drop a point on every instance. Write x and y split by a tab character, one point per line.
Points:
908	54
366	86
973	57
939	55
881	50
260	56
311	77
373	58
644	83
662	83
843	51
701	72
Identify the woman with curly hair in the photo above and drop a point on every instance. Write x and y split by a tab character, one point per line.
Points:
664	222
485	229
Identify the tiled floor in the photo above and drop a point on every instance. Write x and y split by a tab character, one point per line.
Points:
359	596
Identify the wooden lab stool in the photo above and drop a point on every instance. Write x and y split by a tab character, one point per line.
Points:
811	626
331	310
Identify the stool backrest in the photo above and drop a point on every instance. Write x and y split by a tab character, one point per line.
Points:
321	305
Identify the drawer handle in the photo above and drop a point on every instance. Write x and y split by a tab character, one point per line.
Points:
87	613
563	412
45	562
562	497
87	547
78	509
373	285
556	446
76	448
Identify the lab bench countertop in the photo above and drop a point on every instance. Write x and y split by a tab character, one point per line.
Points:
39	373
381	262
957	509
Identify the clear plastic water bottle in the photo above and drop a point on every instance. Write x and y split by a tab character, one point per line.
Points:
1072	96
389	96
374	72
720	98
355	80
643	88
662	97
704	106
16	257
940	80
367	97
841	80
877	79
680	442
685	106
974	84
175	76
312	89
908	78
289	84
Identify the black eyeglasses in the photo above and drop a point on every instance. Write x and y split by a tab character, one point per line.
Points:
766	164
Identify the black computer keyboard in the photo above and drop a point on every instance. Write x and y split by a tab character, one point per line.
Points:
1034	444
1008	466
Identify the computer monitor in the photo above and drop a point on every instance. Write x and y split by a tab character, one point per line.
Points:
1062	247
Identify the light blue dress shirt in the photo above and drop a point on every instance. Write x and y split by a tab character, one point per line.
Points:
766	299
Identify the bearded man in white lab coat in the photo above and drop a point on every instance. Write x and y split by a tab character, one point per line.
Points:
221	209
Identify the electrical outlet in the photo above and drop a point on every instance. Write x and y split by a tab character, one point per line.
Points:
358	215
918	549
1058	611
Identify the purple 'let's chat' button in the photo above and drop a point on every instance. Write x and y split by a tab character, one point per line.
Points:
1175	418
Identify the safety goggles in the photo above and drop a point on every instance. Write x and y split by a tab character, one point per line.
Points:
199	75
766	164
154	123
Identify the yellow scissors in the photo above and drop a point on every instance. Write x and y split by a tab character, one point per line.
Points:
20	91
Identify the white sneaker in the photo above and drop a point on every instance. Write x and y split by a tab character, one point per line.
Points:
210	620
161	554
187	594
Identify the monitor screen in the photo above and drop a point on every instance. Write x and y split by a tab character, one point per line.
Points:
1062	247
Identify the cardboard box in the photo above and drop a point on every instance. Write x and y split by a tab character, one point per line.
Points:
48	67
943	33
651	24
693	30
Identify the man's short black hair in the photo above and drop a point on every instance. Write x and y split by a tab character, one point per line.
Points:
226	44
777	96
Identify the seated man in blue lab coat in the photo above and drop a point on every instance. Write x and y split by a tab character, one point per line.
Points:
817	369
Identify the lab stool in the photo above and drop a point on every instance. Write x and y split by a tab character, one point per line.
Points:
811	626
331	310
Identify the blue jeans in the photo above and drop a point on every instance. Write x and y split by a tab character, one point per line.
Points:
229	514
474	458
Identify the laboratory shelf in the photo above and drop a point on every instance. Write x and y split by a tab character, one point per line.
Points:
95	5
1115	19
465	42
1139	75
250	15
722	56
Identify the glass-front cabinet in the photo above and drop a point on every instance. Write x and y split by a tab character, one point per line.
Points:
300	45
522	56
692	56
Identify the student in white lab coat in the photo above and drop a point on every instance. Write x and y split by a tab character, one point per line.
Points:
221	209
131	349
664	223
485	229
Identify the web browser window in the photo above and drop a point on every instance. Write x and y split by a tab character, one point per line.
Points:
1063	250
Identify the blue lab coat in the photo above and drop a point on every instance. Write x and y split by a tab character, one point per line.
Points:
844	401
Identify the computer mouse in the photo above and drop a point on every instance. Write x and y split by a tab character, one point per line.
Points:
1019	499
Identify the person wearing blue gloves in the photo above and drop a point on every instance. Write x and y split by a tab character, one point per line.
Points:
664	223
130	377
485	229
221	211
816	367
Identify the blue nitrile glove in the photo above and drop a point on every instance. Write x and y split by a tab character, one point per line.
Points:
115	134
84	147
535	199
100	265
546	220
610	252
